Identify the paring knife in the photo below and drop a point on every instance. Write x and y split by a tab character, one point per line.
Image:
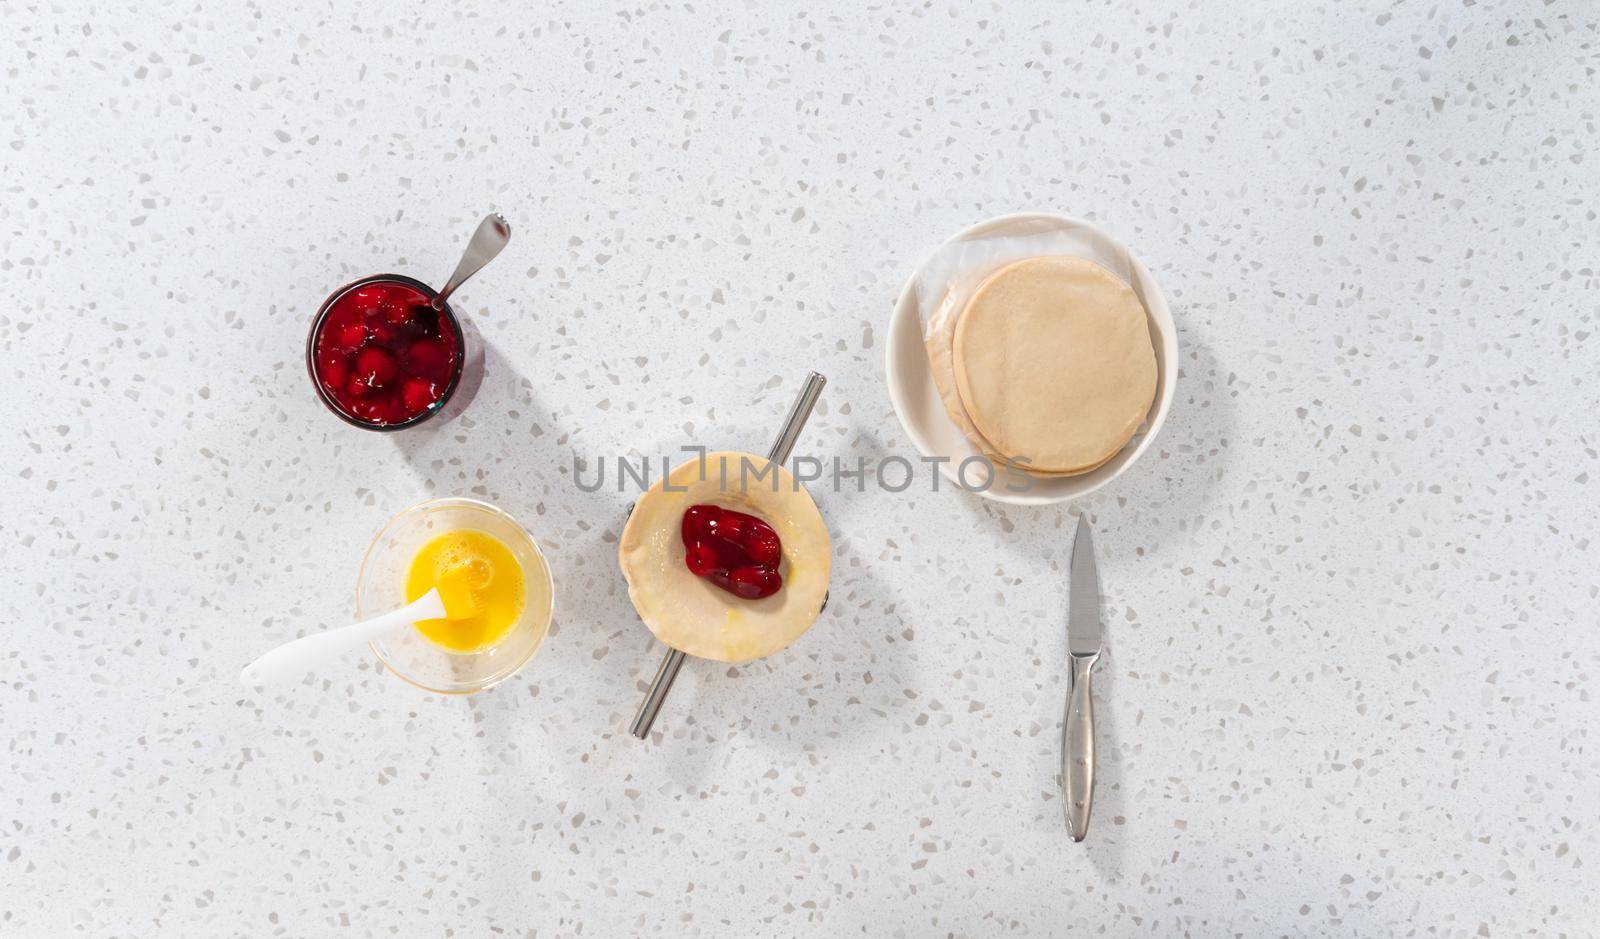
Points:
1083	642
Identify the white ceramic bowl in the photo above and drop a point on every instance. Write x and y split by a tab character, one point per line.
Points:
921	412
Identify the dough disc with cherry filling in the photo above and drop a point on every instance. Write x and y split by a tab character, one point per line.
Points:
1053	363
687	612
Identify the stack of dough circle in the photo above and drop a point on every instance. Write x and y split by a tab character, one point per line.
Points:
688	613
1052	365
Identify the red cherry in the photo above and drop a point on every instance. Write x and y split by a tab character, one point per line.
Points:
732	526
764	550
428	357
376	366
350	335
369	297
396	311
391	411
753	583
698	521
417	394
356	386
334	371
701	559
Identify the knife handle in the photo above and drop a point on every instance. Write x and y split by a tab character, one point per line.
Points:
1077	748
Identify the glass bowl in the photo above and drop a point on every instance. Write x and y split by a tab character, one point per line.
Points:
380	586
447	317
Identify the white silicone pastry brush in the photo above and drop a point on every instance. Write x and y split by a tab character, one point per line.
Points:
455	597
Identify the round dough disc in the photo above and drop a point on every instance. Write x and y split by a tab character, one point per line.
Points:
1053	362
689	613
941	335
1046	474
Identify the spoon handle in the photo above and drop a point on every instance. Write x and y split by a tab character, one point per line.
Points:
491	237
293	659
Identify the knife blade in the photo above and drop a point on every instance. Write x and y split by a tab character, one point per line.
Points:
1083	619
1083	642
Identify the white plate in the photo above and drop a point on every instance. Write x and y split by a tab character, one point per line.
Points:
916	398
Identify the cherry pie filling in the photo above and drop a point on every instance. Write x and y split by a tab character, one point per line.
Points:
383	355
737	552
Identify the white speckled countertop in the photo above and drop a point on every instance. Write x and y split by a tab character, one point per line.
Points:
1351	595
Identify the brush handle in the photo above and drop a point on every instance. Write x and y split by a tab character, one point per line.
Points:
292	660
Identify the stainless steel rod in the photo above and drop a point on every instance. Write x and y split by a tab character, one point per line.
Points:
781	448
665	676
796	421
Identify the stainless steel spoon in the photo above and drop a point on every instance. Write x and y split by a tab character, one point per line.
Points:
491	237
